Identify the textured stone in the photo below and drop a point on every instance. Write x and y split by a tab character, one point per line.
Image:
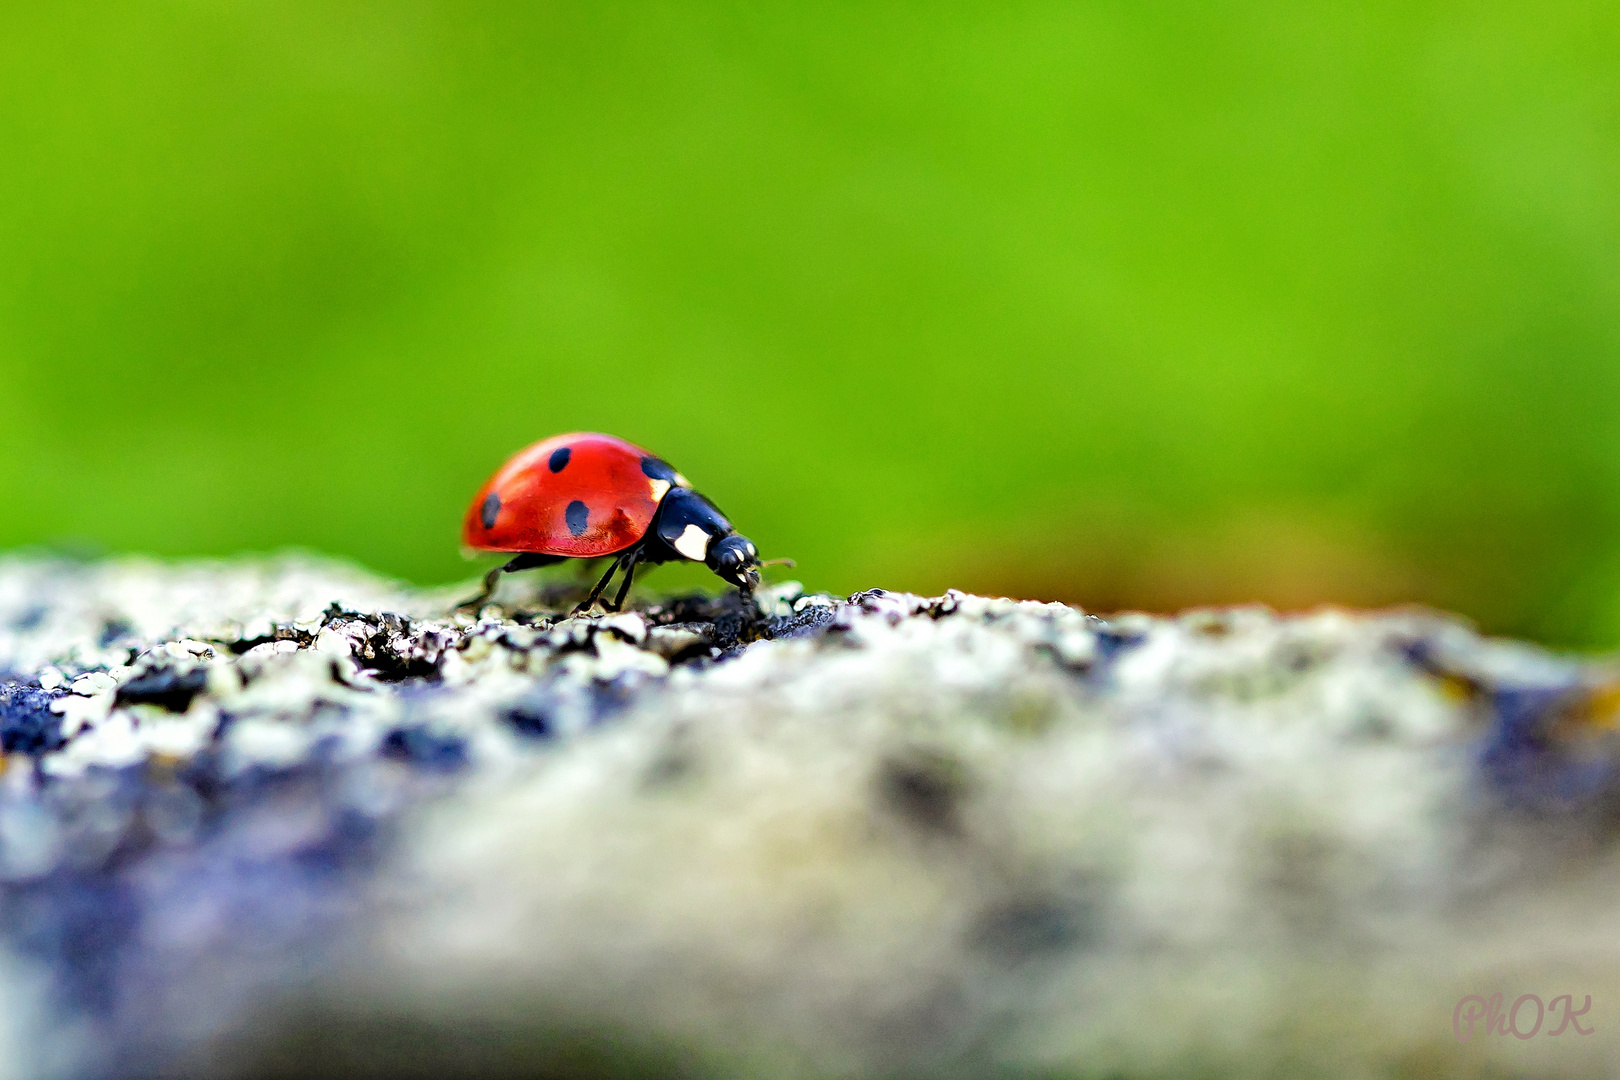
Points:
282	818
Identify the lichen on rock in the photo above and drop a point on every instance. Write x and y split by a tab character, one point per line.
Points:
278	817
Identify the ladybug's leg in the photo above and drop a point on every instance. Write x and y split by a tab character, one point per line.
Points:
476	604
629	575
600	585
526	560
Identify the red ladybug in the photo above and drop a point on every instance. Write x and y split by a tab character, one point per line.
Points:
584	496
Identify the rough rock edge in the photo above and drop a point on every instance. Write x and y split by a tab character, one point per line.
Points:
271	746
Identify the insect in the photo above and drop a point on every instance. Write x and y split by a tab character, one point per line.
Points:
586	496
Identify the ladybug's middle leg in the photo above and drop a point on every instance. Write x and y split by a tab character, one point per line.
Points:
631	559
596	592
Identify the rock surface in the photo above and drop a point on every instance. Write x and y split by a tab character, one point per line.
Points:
280	817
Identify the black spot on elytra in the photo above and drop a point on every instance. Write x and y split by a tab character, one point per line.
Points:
578	515
559	459
658	470
926	789
491	507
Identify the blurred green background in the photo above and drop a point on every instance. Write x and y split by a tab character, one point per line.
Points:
1130	305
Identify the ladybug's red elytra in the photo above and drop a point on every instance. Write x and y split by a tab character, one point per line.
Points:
586	496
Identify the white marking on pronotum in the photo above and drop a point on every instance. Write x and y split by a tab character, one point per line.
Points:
681	481
693	543
659	488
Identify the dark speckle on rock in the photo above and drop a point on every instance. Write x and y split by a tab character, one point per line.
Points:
1028	927
534	716
391	648
612	696
80	925
925	788
1535	755
29	618
808	622
171	690
1110	643
674	764
425	747
114	630
27	723
730	624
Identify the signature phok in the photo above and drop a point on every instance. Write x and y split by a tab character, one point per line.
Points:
1499	1021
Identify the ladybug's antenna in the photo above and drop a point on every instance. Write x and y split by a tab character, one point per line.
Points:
778	562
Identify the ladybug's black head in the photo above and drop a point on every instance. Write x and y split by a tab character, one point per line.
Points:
734	559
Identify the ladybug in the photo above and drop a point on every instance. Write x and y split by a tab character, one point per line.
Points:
586	496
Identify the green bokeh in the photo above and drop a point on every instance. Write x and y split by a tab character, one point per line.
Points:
1124	304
